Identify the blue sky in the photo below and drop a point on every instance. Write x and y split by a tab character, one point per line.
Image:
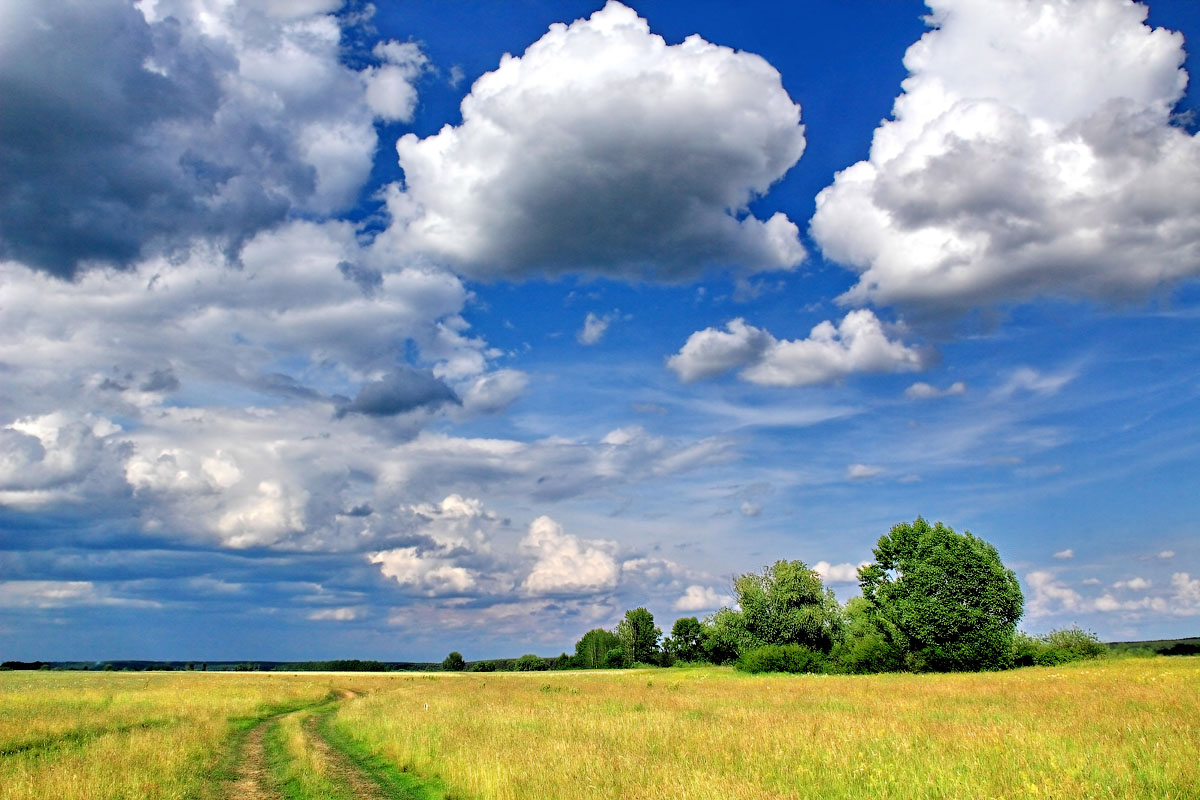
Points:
337	330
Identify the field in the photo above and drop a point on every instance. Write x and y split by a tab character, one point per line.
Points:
1120	728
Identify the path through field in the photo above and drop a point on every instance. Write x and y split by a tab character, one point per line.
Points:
325	769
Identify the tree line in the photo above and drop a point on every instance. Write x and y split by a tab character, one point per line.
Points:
933	600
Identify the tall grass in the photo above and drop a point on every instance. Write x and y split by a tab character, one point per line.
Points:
86	736
1093	730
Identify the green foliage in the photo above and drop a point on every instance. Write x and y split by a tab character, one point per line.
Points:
592	650
531	663
942	598
614	659
1056	647
639	636
686	642
482	666
864	648
454	662
785	604
781	658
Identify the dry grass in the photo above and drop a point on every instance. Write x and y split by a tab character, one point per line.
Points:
1117	729
127	735
1101	730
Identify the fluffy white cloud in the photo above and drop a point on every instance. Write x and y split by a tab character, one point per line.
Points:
59	594
1049	595
567	564
838	573
604	149
830	353
1138	584
1065	554
431	574
1031	152
1166	554
924	391
390	91
702	598
1027	379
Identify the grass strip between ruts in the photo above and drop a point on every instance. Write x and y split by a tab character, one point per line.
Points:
399	784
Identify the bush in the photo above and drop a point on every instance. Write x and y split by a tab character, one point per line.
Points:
1056	647
482	666
531	663
781	658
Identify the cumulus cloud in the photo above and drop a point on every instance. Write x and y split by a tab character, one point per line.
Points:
334	614
1032	152
749	509
1138	584
925	391
175	120
1166	554
567	564
1065	554
838	573
830	353
602	149
402	390
702	598
1048	595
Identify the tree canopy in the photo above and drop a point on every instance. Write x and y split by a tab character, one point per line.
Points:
784	604
638	636
944	599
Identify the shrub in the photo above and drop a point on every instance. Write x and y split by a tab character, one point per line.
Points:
1056	647
531	663
781	658
482	666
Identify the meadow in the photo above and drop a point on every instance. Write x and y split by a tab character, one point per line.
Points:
1116	728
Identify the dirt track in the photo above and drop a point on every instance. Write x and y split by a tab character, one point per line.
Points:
254	779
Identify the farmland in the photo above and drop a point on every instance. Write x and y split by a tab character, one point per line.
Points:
1102	729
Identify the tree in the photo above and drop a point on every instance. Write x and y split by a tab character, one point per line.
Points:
687	640
454	662
785	604
638	637
531	663
944	599
593	648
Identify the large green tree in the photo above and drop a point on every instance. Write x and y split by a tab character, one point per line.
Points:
784	604
944	599
592	650
686	642
638	636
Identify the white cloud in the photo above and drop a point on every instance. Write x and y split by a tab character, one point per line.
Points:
433	575
594	328
830	353
1065	554
863	472
1166	554
567	564
59	594
390	92
1187	594
1138	584
1049	595
925	391
1028	379
702	598
604	149
1031	153
838	573
334	614
749	509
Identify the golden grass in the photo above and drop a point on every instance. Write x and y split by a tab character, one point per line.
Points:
127	735
1116	729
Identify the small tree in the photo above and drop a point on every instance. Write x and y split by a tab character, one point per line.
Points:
592	650
531	663
454	662
944	599
784	604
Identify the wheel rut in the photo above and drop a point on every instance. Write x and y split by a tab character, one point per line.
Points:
255	780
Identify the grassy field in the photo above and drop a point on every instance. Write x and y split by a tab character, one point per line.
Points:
1107	729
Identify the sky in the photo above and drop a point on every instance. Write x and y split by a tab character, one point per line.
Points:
337	330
